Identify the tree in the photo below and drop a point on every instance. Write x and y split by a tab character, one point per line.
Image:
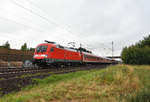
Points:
24	47
144	42
6	45
138	53
32	49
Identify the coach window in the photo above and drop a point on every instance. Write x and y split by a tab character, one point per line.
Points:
52	49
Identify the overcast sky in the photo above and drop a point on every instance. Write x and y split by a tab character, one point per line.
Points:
94	23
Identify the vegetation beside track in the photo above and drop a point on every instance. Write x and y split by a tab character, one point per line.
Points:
121	83
137	54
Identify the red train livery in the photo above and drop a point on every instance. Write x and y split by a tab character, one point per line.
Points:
51	53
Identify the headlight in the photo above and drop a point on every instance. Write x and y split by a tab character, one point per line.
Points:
35	55
43	55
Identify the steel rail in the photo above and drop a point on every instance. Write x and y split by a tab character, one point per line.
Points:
6	74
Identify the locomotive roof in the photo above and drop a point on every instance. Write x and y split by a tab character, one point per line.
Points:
67	48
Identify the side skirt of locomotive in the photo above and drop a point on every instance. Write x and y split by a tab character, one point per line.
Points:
56	62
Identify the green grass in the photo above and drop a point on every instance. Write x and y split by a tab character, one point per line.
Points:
142	96
121	83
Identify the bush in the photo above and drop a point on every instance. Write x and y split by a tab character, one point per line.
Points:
137	54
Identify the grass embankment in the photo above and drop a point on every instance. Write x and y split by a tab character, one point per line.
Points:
121	83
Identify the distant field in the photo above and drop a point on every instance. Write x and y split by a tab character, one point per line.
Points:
121	83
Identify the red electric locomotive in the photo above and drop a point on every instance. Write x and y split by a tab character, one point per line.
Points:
50	53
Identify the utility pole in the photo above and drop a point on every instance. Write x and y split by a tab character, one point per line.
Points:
80	45
112	50
80	48
81	53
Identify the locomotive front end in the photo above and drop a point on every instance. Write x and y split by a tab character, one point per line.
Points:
41	54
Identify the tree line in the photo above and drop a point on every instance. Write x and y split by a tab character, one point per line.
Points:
138	53
23	47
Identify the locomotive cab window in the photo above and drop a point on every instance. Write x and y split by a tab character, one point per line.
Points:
52	49
41	48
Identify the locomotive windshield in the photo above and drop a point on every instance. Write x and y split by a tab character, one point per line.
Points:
41	48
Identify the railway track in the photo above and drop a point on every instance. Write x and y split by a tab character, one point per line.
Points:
15	70
6	73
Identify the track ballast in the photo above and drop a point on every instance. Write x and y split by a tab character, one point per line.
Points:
6	73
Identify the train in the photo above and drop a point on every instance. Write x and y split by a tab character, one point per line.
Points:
53	54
